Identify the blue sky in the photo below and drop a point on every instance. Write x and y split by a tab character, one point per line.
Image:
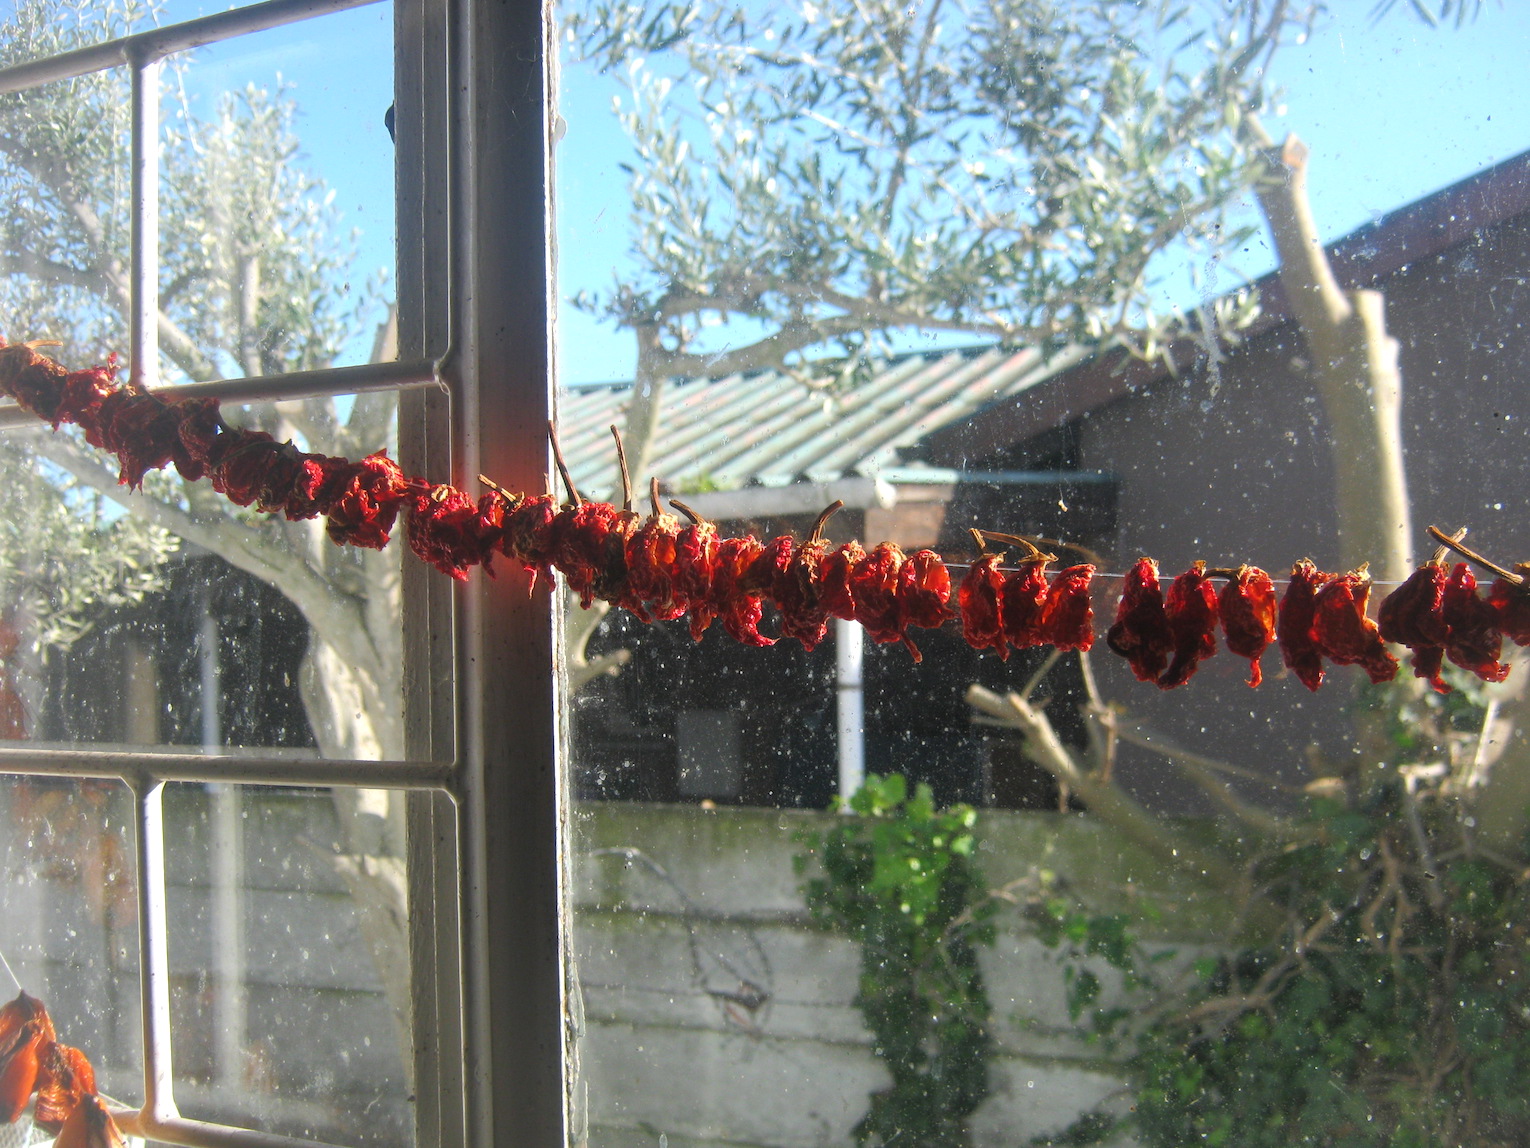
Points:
1391	111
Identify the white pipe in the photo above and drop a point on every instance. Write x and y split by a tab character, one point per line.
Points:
794	498
227	862
849	666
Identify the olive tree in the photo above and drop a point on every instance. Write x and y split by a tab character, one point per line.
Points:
255	279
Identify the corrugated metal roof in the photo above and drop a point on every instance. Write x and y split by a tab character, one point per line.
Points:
766	428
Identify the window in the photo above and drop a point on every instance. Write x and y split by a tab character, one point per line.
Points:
476	724
566	906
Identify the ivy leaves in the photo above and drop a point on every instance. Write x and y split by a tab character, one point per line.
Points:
898	877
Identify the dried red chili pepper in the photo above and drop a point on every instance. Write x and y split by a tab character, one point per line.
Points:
924	591
1299	648
980	596
1068	620
238	462
796	585
315	485
65	1077
1511	600
447	529
579	535
1412	615
1141	633
1344	634
651	562
1475	641
143	431
201	425
732	599
874	585
84	392
1247	609
835	591
35	381
1025	605
364	511
90	1125
613	582
695	570
24	1032
1191	607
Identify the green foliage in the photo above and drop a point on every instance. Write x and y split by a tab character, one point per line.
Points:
1434	12
829	172
64	556
1393	1010
252	254
898	877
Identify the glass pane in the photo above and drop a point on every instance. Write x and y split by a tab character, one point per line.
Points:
277	204
34	30
71	912
289	961
1013	281
64	178
130	627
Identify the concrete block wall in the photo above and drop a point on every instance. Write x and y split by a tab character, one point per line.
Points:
712	1013
707	1010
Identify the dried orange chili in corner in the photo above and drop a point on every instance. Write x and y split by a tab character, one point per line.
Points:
90	1126
25	1031
64	1079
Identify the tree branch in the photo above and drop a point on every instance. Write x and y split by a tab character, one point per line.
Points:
1355	369
1104	799
338	619
1202	772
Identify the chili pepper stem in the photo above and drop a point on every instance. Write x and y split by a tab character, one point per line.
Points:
1472	556
568	479
687	511
653	495
1033	553
10	972
621	460
495	487
1438	556
823	519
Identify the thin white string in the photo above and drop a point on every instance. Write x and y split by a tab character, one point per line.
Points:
1101	576
15	980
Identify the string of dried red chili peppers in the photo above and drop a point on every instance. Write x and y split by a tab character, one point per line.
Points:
657	568
33	1060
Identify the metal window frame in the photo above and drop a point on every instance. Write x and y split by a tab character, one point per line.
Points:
487	808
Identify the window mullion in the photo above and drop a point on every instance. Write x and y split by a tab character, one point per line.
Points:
513	804
153	953
143	319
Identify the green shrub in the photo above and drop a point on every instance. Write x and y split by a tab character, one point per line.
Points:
898	877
